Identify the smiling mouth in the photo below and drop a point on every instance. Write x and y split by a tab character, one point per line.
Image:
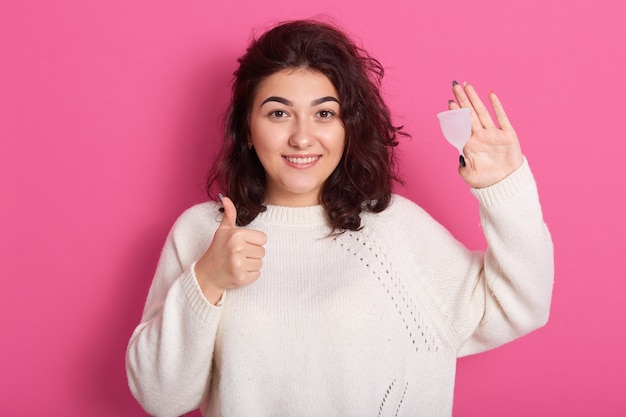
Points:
302	160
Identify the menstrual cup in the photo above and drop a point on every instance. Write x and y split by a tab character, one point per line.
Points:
456	126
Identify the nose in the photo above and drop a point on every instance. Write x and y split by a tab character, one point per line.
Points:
301	135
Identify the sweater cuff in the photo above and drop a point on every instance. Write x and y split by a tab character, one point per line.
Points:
507	188
196	298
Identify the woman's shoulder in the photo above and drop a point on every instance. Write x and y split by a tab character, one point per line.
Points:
401	205
401	211
405	224
401	201
200	217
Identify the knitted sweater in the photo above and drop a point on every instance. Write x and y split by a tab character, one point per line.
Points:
366	323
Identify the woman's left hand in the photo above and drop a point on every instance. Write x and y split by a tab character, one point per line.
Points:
493	150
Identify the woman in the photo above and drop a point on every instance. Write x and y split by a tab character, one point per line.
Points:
318	292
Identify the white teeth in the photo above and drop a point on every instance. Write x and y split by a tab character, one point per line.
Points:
306	160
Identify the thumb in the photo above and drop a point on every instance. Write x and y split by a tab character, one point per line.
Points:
230	213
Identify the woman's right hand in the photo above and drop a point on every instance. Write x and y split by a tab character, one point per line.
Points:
233	259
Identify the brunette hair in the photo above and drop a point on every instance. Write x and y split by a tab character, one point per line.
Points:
364	177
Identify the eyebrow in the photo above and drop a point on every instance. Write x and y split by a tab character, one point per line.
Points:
286	102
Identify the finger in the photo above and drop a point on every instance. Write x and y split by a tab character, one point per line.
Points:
253	265
464	101
452	105
501	117
255	237
252	276
481	111
230	214
255	252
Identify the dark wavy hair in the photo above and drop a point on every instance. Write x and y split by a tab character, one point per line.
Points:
364	178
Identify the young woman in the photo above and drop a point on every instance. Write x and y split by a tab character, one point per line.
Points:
311	289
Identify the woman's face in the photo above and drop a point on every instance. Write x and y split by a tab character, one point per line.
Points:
298	135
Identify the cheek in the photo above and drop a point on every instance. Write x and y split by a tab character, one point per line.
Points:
338	140
266	136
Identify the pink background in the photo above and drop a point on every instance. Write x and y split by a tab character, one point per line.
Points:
108	116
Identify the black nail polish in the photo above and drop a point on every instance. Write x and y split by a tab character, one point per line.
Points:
461	161
454	83
451	101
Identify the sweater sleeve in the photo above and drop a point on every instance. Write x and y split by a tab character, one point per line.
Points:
510	294
169	356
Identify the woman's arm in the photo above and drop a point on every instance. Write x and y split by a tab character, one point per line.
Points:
169	355
512	294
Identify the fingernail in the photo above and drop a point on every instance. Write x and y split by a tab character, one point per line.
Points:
461	161
454	83
220	195
451	101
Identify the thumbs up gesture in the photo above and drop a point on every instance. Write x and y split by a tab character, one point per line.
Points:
233	259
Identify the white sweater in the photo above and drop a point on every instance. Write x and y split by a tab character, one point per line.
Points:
366	323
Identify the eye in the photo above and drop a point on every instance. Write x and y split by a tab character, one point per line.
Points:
278	114
325	114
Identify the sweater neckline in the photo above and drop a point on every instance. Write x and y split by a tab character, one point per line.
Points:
295	216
